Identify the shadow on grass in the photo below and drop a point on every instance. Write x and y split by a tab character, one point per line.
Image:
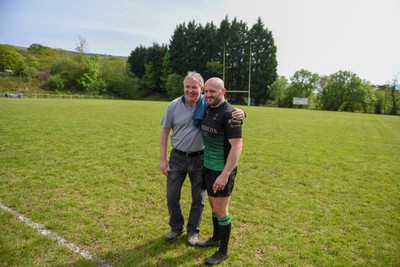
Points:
155	253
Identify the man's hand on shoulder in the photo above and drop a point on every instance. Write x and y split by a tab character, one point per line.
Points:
238	114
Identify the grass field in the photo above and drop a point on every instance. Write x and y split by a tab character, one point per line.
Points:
314	188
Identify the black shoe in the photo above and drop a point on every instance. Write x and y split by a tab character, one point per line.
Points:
209	243
172	236
192	239
216	258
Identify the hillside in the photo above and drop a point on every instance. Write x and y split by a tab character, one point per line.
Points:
40	69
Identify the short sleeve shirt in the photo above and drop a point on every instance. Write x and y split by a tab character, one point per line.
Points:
179	117
218	127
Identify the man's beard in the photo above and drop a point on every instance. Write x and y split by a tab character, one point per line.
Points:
216	100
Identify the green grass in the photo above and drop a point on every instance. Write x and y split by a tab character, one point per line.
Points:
314	188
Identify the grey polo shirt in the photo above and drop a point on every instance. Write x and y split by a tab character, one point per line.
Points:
179	117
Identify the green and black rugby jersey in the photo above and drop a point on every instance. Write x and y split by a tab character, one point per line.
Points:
218	126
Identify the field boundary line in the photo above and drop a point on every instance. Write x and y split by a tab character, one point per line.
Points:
41	229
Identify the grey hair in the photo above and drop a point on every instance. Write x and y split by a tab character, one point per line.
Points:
195	76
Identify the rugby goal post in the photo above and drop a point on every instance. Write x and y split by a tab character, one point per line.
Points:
233	91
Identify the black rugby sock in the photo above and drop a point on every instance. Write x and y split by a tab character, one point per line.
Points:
215	227
225	226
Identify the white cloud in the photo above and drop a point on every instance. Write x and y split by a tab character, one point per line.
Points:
321	36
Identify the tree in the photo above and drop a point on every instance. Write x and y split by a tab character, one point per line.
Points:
118	79
209	54
380	103
165	71
213	69
303	83
277	91
147	65
345	91
89	77
55	82
114	72
148	81
321	85
394	96
11	59
367	98
236	57
192	46
137	59
39	49
32	61
203	49
81	45
69	70
264	63
174	85
154	66
129	87
43	54
62	66
177	50
223	41
192	59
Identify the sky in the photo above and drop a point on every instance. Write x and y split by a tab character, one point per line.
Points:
322	36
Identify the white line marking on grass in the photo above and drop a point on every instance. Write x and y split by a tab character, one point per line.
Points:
86	254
